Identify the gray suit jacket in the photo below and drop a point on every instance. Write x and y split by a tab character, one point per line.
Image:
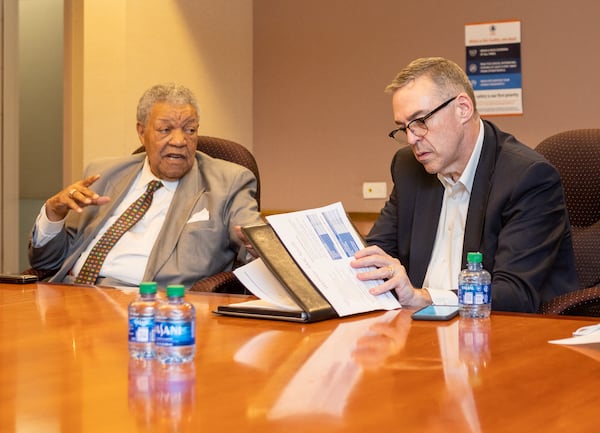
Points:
184	252
517	218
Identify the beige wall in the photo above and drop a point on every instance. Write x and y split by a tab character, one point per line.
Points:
320	115
120	48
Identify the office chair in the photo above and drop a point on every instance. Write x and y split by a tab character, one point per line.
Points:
576	155
223	282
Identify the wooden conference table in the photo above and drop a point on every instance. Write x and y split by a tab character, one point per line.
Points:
64	367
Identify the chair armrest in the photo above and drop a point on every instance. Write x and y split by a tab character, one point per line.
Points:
582	302
223	282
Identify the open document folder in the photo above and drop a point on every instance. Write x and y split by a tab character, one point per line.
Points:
303	273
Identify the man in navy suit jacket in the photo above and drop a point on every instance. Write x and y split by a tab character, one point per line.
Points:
460	185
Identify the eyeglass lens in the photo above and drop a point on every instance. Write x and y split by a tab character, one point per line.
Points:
417	126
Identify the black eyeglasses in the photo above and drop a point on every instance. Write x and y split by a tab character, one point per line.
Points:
417	126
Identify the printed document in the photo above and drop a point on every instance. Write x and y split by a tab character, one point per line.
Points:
322	241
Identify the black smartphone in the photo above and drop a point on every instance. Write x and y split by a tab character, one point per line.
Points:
436	312
17	278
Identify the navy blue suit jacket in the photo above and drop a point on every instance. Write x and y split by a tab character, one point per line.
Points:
517	218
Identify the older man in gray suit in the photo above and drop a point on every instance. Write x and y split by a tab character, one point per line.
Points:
189	231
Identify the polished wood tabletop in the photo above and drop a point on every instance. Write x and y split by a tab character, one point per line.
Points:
64	367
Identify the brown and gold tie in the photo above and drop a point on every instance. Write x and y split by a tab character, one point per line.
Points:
91	268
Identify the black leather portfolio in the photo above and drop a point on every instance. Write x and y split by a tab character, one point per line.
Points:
312	306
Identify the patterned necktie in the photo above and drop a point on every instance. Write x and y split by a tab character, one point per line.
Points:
91	268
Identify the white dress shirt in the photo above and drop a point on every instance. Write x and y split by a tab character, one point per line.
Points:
445	264
127	260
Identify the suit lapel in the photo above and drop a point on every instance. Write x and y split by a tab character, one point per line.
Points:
427	215
184	201
482	184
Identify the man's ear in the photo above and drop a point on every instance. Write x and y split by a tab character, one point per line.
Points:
465	108
140	131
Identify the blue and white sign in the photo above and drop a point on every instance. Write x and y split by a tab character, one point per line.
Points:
494	66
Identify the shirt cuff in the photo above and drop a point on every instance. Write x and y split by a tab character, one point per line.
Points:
45	229
442	297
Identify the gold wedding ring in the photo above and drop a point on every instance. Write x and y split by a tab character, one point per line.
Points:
391	272
73	191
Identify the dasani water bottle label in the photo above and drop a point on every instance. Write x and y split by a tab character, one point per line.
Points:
174	333
474	294
141	329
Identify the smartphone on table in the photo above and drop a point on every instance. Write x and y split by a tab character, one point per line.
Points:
436	312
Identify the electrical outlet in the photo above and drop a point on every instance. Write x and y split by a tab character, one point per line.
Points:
374	190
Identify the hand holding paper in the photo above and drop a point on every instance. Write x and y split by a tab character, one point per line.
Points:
323	243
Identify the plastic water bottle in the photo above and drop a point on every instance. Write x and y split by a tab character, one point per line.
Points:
475	289
175	328
141	322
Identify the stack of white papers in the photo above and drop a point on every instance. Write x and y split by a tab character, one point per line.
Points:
586	335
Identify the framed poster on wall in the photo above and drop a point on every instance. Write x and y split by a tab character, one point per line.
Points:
493	52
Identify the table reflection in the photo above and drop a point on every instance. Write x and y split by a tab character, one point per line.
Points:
317	383
161	396
474	346
465	349
321	374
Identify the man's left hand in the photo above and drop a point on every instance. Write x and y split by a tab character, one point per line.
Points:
391	270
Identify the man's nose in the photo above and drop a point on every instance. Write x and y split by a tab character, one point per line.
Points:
177	136
411	138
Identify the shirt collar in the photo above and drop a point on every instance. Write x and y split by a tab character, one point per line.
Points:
146	176
468	175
